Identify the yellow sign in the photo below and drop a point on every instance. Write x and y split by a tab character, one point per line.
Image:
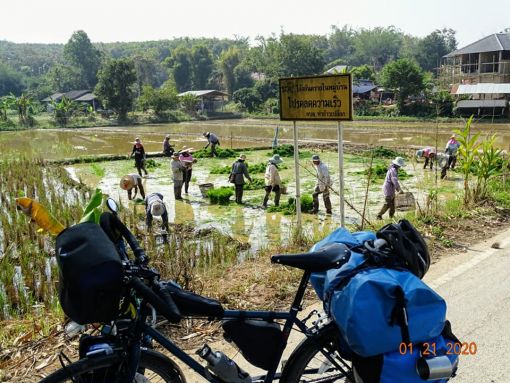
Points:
316	98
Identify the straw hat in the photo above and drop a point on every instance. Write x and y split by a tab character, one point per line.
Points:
276	159
137	140
127	183
206	134
186	149
399	161
167	137
452	136
157	209
242	157
175	155
316	157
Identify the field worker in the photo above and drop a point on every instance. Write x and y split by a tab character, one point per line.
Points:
155	207
177	175
272	180
390	186
130	182
321	186
429	154
212	140
238	173
167	148
452	146
138	153
187	161
442	161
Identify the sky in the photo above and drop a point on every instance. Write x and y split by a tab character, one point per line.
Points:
54	21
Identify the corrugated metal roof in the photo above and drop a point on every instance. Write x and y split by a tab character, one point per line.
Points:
200	93
465	104
53	97
359	89
483	88
86	97
493	43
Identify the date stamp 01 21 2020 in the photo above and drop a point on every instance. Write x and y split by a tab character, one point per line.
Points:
429	348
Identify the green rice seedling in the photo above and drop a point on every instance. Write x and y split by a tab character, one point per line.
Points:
220	195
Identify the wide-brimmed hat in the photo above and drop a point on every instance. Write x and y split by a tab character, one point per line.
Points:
452	136
157	209
242	157
137	140
127	182
206	134
276	159
419	153
316	157
167	137
399	161
175	155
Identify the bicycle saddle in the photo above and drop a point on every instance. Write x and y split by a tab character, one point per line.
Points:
330	256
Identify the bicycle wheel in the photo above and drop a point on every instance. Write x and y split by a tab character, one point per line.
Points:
317	359
154	368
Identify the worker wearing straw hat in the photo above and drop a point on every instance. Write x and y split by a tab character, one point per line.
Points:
272	180
429	154
238	173
212	140
187	161
177	175
130	182
167	148
155	207
390	186
322	185
452	146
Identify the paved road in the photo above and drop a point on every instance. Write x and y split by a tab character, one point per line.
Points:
476	286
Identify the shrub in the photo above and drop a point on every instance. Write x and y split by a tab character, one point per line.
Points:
220	195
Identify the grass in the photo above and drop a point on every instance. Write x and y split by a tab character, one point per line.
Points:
379	172
289	207
221	153
97	169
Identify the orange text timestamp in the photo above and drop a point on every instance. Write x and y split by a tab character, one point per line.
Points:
430	348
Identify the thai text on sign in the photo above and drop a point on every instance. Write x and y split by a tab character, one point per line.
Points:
316	98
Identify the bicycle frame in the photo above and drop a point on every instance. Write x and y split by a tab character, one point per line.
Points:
290	318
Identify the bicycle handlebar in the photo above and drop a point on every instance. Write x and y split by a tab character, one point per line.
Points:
163	303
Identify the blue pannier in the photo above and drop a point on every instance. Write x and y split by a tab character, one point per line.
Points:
371	308
340	235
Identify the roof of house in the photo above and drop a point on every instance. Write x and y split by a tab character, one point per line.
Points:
71	95
53	97
492	43
466	104
482	88
201	93
86	97
337	69
359	89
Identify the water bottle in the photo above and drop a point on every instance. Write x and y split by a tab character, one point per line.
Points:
72	329
99	349
224	367
439	367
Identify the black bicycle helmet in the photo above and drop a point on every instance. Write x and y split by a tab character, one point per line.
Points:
407	245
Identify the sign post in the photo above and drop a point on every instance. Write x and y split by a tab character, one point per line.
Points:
317	98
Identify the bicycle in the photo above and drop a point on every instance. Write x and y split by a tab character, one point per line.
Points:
123	352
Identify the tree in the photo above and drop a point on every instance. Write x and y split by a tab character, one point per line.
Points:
299	57
341	43
115	86
363	72
63	111
376	46
228	61
181	68
80	52
405	76
189	102
202	66
248	98
11	81
159	100
433	47
63	78
148	72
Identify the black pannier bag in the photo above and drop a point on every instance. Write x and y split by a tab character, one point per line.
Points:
91	273
260	341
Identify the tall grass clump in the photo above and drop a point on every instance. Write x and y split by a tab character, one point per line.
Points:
220	195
